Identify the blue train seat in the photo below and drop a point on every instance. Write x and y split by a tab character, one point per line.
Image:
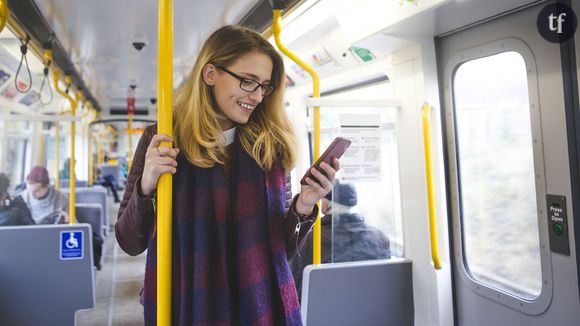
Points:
370	293
46	274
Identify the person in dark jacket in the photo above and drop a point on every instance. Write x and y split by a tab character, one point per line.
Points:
233	224
351	240
107	181
42	199
13	211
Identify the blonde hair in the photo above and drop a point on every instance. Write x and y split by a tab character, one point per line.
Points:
267	136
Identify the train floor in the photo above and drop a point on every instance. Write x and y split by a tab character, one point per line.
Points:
118	284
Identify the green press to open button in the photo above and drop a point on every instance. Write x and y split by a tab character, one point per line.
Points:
558	228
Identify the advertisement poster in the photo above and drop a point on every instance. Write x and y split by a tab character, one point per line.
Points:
362	160
10	92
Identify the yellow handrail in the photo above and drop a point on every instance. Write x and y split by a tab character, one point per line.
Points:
277	28
84	128
90	139
47	55
430	187
73	105
55	79
81	99
130	159
3	14
56	154
165	184
72	175
91	160
42	156
100	158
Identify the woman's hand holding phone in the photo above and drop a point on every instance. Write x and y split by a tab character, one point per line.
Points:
319	179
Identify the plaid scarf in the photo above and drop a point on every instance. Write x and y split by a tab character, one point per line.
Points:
228	269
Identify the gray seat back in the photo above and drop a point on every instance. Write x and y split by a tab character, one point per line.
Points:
41	281
91	214
113	170
65	183
370	293
92	195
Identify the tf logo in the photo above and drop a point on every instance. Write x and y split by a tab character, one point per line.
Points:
557	23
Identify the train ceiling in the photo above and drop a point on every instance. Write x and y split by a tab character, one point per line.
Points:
98	41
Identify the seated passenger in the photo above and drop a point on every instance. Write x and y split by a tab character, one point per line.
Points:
353	239
13	211
42	199
64	173
108	181
18	189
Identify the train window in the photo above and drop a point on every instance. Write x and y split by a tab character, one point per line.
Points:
377	201
63	149
496	177
14	150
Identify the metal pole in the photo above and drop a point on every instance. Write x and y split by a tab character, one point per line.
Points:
165	184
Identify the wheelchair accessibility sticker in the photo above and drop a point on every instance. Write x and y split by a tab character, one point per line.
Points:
71	245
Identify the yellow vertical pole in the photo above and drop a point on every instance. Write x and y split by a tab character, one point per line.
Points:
72	178
82	127
430	186
165	184
3	13
55	79
42	156
90	134
277	28
83	137
73	105
56	154
99	152
130	160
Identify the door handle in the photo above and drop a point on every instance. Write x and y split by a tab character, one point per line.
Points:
430	188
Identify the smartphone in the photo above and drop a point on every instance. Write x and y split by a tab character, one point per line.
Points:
336	149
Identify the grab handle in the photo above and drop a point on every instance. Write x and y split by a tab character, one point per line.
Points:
430	187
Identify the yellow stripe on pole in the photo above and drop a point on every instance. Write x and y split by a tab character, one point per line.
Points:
277	28
165	184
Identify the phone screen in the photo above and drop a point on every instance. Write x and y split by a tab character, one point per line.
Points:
335	149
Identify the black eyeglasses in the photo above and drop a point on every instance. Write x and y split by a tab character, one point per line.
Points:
250	85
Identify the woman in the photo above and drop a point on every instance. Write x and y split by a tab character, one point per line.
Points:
234	221
45	202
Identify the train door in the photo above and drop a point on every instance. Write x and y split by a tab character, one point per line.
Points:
509	174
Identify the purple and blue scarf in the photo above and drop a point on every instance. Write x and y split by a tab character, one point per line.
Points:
227	270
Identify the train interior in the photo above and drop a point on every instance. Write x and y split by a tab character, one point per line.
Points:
462	116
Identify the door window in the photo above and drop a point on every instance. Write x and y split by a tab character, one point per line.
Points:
496	178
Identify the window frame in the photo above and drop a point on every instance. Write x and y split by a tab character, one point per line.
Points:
542	302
